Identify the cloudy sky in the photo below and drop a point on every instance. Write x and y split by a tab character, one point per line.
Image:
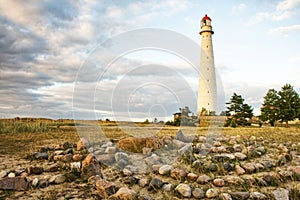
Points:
83	59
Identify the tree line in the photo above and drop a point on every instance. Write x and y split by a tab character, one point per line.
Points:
283	106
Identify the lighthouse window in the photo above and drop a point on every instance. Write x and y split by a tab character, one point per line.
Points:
207	57
207	103
207	69
207	46
207	80
207	91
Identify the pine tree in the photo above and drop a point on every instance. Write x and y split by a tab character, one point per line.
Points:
289	104
270	108
239	112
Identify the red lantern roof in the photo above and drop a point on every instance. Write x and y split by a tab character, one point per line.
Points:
206	18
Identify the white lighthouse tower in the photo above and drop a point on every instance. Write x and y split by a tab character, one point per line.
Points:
207	89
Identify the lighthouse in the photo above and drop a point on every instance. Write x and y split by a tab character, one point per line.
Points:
207	89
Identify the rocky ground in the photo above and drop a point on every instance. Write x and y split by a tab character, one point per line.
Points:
180	167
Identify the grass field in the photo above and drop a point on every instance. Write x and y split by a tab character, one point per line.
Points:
20	137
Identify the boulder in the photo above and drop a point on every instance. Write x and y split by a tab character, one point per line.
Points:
15	183
198	193
240	195
90	167
281	194
126	194
211	193
155	184
178	174
219	182
184	190
165	169
203	179
57	179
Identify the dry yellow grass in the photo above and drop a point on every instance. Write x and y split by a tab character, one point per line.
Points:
22	143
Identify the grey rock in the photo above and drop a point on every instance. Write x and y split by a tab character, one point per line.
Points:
133	169
240	156
267	164
40	155
153	160
203	179
180	136
119	156
198	193
212	167
281	194
240	195
257	196
165	169
110	150
57	179
225	196
155	168
127	172
211	193
228	166
185	149
155	184
107	144
143	182
107	159
167	187
249	167
126	194
179	144
184	189
261	149
144	197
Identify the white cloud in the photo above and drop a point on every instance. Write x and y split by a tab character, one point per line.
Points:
284	10
282	16
287	5
259	17
114	12
285	29
238	8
